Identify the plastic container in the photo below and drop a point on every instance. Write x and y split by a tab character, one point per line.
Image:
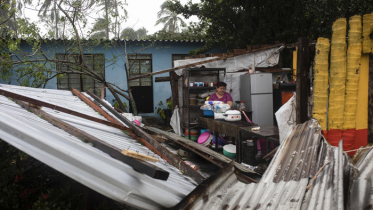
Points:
194	132
193	138
203	130
208	112
242	106
229	150
205	139
221	141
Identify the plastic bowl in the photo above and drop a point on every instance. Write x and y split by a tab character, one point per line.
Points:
205	139
229	150
221	141
193	138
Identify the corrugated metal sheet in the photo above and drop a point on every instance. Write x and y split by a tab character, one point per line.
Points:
361	194
82	162
284	185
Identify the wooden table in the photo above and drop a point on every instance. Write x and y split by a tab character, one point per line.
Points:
221	126
267	132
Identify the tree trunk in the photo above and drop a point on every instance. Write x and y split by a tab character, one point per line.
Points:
55	19
121	106
132	101
107	19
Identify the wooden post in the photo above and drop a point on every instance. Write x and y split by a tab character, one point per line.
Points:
174	80
370	101
303	83
102	92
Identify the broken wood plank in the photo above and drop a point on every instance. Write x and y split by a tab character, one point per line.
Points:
225	56
271	154
139	156
162	79
94	106
140	166
175	160
61	109
149	146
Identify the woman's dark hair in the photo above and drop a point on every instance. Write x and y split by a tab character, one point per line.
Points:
221	84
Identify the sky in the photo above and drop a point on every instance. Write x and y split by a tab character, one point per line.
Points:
144	13
141	13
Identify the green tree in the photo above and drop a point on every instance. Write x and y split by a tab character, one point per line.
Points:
112	19
234	24
35	66
131	34
53	15
170	20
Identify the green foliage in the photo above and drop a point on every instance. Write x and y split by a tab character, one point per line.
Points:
185	34
233	24
170	20
161	107
116	104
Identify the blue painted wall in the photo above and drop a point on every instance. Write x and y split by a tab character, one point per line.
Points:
161	52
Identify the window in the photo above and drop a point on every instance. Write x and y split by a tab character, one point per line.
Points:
178	57
140	64
142	89
78	81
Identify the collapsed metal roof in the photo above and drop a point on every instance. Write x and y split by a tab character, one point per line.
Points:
82	162
303	156
361	194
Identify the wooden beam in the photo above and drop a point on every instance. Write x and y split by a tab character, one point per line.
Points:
176	161
102	92
370	100
248	48
139	156
303	83
201	62
239	51
61	109
174	88
140	166
94	106
162	79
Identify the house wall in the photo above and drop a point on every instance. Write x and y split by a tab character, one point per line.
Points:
161	52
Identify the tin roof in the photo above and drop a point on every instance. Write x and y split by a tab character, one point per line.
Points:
82	162
284	185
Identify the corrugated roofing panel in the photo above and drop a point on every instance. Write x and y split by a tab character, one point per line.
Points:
361	194
80	161
284	185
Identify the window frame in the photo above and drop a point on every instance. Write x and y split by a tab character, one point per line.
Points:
81	79
172	58
139	74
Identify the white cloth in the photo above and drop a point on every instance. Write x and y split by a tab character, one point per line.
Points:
175	122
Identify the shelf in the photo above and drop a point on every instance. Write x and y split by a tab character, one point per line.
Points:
202	88
194	106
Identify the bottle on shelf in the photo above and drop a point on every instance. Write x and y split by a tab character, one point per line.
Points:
242	106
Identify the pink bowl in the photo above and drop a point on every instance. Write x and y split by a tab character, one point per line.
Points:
203	137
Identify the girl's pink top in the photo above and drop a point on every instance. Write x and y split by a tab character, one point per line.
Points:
226	97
